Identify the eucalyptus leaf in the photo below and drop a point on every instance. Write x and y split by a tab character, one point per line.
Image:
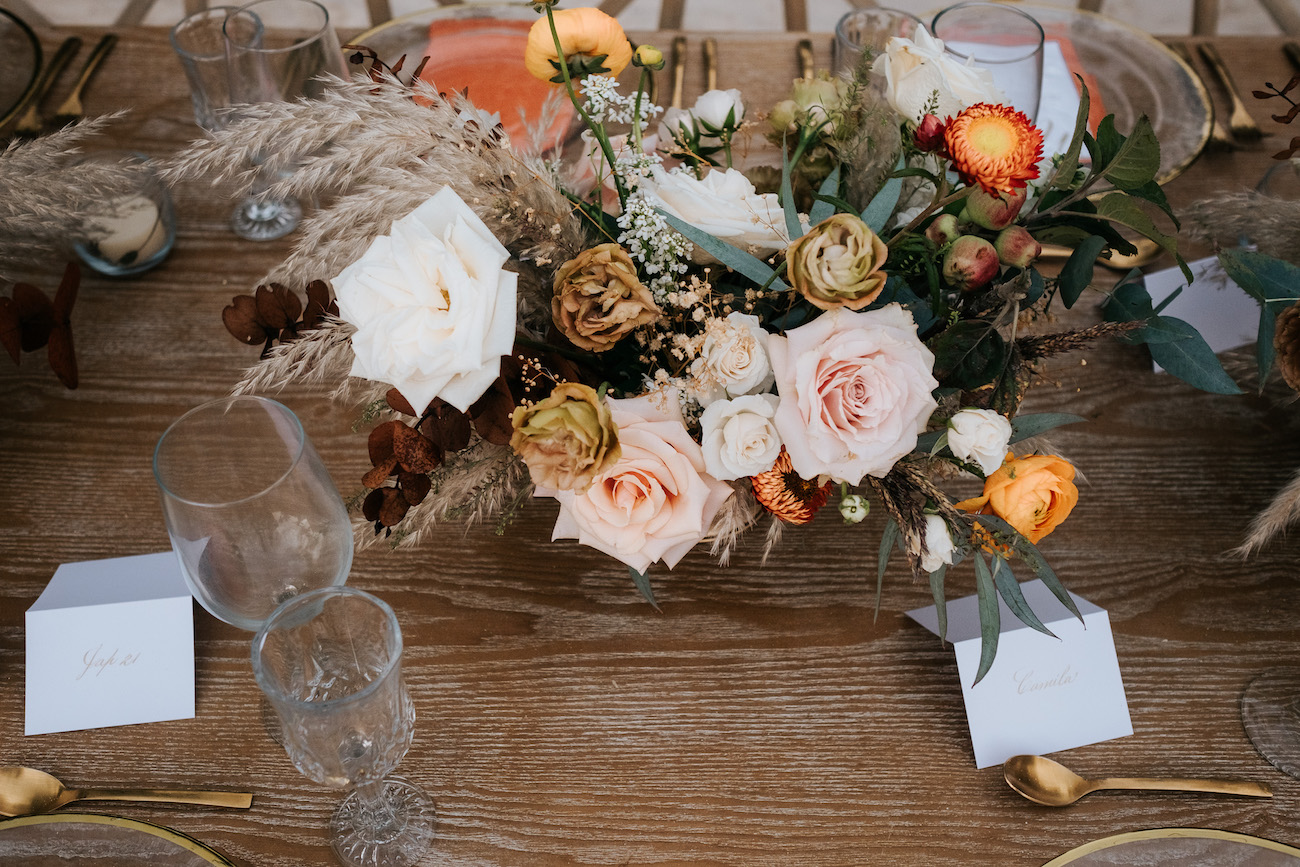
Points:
1037	286
1137	162
887	540
1030	554
642	582
940	604
1119	208
990	617
1033	424
791	211
929	442
1069	162
1191	359
1009	590
1129	301
738	260
877	212
969	354
1170	299
1076	274
825	204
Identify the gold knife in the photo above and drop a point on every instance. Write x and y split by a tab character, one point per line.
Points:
805	51
1241	123
1219	138
71	110
30	123
710	64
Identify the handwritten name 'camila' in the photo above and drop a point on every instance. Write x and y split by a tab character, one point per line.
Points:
97	663
1027	681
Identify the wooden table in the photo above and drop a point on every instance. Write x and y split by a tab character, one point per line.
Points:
765	716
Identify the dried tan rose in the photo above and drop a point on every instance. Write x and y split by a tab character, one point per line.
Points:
599	298
838	264
567	439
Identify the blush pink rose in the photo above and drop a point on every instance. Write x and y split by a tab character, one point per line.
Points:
657	501
855	392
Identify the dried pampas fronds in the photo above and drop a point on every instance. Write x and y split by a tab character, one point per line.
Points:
44	205
320	354
738	514
1280	514
1271	224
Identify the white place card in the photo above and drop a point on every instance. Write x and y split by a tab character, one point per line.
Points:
1042	694
109	643
1214	305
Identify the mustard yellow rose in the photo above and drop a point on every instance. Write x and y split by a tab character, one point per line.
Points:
567	439
1033	494
599	299
838	264
584	34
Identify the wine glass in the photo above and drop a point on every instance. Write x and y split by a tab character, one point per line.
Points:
251	511
277	50
1006	41
330	663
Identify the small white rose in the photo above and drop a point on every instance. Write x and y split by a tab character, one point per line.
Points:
917	71
716	106
979	436
724	204
738	436
939	548
854	508
433	309
733	360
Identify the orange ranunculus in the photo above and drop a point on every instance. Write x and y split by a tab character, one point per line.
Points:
1033	494
994	146
584	33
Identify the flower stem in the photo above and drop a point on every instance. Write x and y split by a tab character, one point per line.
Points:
940	201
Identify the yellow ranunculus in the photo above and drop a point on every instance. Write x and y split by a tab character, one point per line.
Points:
584	33
1033	494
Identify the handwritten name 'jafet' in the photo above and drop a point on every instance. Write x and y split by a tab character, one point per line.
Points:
97	663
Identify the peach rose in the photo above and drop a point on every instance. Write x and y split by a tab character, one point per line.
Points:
855	392
1033	494
599	298
656	502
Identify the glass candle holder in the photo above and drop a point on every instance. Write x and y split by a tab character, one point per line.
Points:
868	30
133	232
1006	41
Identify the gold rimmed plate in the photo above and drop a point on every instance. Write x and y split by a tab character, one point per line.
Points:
20	61
1180	847
93	840
1131	73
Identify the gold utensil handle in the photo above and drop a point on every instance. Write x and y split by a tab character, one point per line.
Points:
238	800
679	70
30	123
1220	787
1241	122
710	64
101	50
1219	138
805	51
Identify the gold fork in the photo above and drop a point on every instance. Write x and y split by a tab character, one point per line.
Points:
1241	123
1219	138
30	124
71	110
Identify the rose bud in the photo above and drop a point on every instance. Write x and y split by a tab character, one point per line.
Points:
929	134
648	56
838	264
994	212
1016	247
943	230
970	264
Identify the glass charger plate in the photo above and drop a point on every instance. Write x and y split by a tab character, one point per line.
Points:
93	840
20	60
1180	847
1133	74
476	48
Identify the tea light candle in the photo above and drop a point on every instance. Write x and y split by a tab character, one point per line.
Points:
132	231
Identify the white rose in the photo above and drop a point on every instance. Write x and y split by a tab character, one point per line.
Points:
939	548
713	108
915	70
979	436
433	310
677	125
724	204
733	360
739	437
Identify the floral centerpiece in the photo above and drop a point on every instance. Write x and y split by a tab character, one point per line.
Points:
676	350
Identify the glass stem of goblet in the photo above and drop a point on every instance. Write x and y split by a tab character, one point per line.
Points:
375	812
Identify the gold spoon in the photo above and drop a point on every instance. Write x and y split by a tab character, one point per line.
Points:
1051	784
26	791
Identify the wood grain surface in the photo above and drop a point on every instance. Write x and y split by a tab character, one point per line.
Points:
767	715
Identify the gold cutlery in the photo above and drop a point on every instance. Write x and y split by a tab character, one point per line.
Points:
710	64
805	51
27	791
1219	138
30	123
71	109
1241	123
679	70
1051	784
1147	251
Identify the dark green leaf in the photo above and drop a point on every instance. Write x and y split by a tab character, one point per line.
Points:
1264	350
926	442
1032	424
1191	359
1106	145
1070	159
642	582
990	617
1119	208
1129	301
887	540
1031	555
876	213
1169	299
940	604
825	204
1137	162
1269	281
1037	286
969	354
792	227
734	258
1155	194
1009	590
1077	272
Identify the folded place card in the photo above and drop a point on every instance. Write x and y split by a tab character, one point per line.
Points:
1214	305
110	642
1042	694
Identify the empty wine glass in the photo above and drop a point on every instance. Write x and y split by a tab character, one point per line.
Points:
277	50
330	663
251	511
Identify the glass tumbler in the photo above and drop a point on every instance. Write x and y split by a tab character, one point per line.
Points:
1006	41
868	30
330	663
251	511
